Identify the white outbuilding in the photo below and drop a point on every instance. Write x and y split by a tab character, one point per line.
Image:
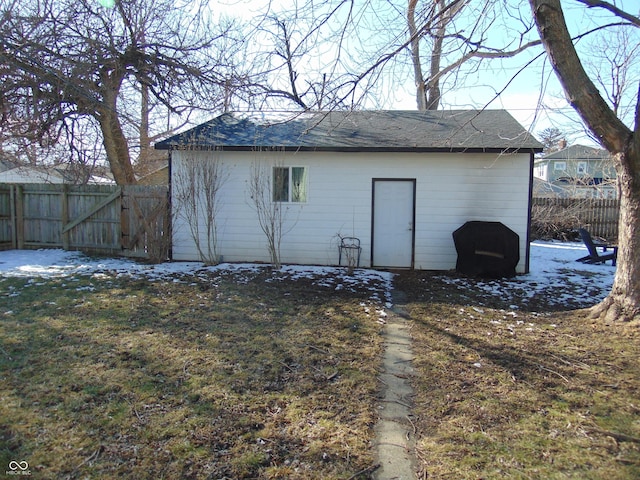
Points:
398	183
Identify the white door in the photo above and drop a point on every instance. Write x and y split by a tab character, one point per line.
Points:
393	217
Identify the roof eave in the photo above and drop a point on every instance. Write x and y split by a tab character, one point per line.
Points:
381	149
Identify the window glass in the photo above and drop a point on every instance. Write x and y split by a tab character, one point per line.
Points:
290	184
582	167
560	165
298	184
281	184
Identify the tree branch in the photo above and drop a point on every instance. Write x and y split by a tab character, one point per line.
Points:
579	89
613	9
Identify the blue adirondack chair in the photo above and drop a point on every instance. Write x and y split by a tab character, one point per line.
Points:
594	256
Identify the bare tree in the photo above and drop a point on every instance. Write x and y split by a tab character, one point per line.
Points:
623	302
64	61
438	15
447	39
293	67
263	186
273	189
611	59
553	139
196	199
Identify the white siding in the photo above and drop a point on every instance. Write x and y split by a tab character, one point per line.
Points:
450	190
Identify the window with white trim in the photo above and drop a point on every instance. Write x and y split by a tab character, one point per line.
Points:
560	166
290	184
582	168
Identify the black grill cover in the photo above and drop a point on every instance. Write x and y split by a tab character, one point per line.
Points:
487	249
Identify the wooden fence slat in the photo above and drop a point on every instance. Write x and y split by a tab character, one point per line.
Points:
147	222
85	217
99	206
65	216
599	216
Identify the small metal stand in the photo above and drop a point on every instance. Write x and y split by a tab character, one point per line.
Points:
353	250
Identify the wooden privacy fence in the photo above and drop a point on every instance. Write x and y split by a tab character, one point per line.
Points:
108	219
552	217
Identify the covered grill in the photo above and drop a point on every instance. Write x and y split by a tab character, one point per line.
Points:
487	249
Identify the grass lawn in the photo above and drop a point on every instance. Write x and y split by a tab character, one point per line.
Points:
506	393
260	375
206	377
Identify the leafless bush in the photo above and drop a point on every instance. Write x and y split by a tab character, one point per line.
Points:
196	199
270	212
554	221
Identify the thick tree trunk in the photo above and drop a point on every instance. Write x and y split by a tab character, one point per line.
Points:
428	92
115	144
114	140
421	93
145	144
433	85
623	302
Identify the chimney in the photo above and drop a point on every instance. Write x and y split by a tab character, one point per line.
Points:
562	144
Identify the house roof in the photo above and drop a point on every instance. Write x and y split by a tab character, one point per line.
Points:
446	130
48	174
31	174
578	152
544	189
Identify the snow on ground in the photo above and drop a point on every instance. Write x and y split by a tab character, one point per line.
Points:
555	274
555	279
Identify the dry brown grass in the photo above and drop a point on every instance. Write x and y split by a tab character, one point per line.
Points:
209	377
503	393
259	375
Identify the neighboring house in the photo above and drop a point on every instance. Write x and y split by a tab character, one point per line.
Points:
30	174
578	172
54	174
401	182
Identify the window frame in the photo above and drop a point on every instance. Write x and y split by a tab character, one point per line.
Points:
582	168
291	188
562	166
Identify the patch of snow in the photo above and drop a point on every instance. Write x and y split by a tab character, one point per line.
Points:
554	274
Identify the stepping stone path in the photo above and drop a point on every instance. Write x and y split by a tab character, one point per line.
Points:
394	431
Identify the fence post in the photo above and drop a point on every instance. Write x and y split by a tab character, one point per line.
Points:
12	215
125	230
19	217
65	216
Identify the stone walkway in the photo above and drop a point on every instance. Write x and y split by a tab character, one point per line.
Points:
395	432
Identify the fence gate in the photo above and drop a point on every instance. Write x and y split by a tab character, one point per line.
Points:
145	222
107	219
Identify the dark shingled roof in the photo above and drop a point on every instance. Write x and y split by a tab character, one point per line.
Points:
446	130
579	152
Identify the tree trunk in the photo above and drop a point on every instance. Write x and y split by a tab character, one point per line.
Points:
433	85
421	93
623	302
145	144
115	143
